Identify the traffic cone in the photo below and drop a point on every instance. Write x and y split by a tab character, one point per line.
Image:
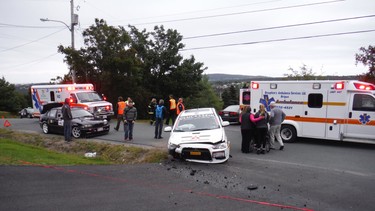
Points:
7	123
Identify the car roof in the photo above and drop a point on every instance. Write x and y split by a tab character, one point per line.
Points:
198	111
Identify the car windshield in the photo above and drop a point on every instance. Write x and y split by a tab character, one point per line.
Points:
88	97
79	113
196	123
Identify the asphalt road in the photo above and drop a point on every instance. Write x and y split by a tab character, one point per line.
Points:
307	175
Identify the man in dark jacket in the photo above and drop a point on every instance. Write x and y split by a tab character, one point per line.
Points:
130	115
67	117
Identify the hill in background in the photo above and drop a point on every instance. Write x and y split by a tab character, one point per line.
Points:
216	77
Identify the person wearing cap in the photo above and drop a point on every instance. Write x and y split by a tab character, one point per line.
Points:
67	117
277	116
130	115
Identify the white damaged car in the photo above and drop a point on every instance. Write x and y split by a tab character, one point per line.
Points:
198	135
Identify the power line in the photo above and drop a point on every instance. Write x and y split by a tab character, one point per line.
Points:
279	40
25	26
278	27
240	13
31	62
197	11
18	46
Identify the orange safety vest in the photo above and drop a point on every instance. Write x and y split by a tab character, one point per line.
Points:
172	104
178	107
121	106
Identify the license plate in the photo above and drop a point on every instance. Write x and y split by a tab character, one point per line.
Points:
100	129
104	116
195	153
226	114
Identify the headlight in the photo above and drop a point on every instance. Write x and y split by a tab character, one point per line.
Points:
172	146
220	146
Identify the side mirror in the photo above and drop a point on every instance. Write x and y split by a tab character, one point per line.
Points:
168	129
225	123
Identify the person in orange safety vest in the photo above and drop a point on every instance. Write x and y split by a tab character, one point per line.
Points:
172	110
121	105
180	105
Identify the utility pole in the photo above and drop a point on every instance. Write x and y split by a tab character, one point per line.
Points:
73	22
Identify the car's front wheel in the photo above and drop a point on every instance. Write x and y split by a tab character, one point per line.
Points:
76	132
45	128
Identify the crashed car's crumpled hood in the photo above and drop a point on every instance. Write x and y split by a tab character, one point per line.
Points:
205	136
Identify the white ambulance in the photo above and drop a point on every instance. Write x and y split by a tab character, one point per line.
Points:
81	95
334	110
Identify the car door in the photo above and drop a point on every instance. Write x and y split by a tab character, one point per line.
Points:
361	122
53	121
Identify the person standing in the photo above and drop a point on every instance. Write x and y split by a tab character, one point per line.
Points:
172	110
67	117
120	111
261	129
130	115
128	100
151	110
160	112
180	106
277	116
248	128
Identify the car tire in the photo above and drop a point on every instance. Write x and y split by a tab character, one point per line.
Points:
76	132
288	133
45	128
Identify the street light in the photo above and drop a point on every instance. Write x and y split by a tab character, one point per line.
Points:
74	21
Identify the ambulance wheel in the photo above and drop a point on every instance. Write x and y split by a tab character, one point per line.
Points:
288	133
76	132
45	128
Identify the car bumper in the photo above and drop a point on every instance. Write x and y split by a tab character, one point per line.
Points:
95	131
200	153
230	119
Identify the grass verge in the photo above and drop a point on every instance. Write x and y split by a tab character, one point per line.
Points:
17	147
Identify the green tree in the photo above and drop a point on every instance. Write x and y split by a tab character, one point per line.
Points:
107	60
11	100
225	97
233	92
367	58
305	73
205	97
230	96
165	71
137	64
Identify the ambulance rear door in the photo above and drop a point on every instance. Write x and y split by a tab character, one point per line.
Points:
314	113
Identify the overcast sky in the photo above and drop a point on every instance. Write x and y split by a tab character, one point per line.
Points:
257	36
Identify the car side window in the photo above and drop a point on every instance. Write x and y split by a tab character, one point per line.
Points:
363	102
52	113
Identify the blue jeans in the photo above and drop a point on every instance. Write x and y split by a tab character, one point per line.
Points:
68	130
158	127
129	130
